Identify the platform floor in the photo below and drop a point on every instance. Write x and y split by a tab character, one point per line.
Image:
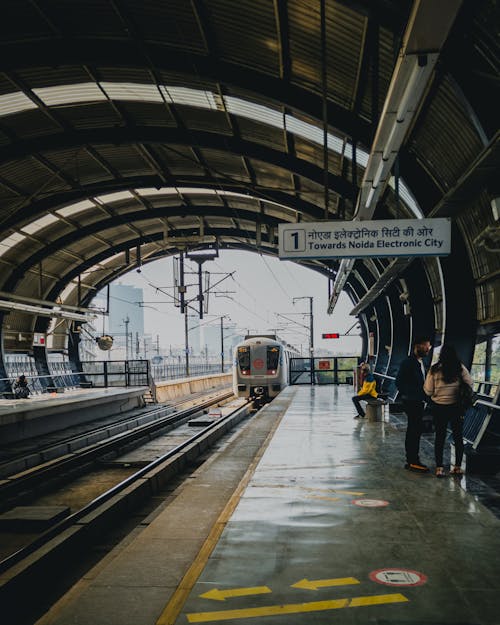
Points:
327	528
36	402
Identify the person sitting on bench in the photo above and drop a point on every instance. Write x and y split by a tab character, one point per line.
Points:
368	392
21	390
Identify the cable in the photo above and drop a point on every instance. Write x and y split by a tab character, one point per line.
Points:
274	276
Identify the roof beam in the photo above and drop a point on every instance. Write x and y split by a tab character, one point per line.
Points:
154	136
116	53
426	33
65	198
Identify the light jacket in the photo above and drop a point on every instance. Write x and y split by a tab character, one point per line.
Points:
369	386
441	392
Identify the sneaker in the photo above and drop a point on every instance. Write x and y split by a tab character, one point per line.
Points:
359	416
457	471
418	468
440	472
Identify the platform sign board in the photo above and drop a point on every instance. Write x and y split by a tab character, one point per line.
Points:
357	239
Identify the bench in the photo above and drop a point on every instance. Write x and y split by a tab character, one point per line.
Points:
86	384
374	409
481	434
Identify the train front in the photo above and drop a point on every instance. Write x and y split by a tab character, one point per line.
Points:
259	369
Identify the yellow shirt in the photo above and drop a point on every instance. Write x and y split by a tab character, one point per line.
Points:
368	388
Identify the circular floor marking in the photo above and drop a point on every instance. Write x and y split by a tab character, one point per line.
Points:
398	577
370	503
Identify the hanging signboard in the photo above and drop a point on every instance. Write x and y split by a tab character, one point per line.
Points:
356	239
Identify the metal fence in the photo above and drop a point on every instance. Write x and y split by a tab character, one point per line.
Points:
175	371
327	370
116	373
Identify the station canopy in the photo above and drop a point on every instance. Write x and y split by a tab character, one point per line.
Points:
130	131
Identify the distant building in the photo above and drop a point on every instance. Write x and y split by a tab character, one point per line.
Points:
125	303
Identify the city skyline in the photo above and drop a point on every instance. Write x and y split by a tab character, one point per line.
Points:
257	298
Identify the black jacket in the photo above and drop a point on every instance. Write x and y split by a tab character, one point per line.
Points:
409	380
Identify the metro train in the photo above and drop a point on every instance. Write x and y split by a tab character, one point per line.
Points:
260	367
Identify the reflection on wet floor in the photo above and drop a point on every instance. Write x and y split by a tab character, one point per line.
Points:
331	520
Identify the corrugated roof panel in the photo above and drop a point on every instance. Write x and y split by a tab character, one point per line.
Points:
313	153
32	123
190	97
15	103
305	43
257	132
173	23
114	197
255	112
132	91
148	114
225	163
10	242
246	33
42	76
344	36
33	175
70	93
39	224
124	158
445	128
91	115
74	209
201	119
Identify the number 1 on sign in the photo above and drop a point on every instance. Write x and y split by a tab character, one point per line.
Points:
295	241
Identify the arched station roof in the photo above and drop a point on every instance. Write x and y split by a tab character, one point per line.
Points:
131	130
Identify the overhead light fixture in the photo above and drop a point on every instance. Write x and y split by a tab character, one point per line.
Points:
370	197
378	173
412	88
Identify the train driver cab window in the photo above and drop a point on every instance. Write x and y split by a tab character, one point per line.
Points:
244	360
273	355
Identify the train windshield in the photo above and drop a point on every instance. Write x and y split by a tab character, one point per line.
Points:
244	358
273	355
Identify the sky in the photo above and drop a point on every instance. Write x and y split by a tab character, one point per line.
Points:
256	298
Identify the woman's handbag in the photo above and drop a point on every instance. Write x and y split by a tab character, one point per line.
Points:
466	396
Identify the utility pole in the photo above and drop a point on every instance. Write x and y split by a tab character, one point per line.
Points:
311	332
157	345
186	340
126	321
222	343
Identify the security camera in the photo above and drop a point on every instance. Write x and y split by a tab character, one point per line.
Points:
404	297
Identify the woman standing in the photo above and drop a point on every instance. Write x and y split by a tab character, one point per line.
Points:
442	385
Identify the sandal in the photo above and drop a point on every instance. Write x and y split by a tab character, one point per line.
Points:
457	471
440	472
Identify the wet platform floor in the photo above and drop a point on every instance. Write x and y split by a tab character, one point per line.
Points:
329	529
332	529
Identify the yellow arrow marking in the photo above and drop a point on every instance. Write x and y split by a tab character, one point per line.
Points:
294	608
222	595
314	584
322	498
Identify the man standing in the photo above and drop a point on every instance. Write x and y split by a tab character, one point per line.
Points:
410	381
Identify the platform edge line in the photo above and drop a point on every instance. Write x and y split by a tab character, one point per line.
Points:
181	593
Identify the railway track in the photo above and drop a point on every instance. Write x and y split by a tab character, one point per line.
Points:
30	566
67	456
